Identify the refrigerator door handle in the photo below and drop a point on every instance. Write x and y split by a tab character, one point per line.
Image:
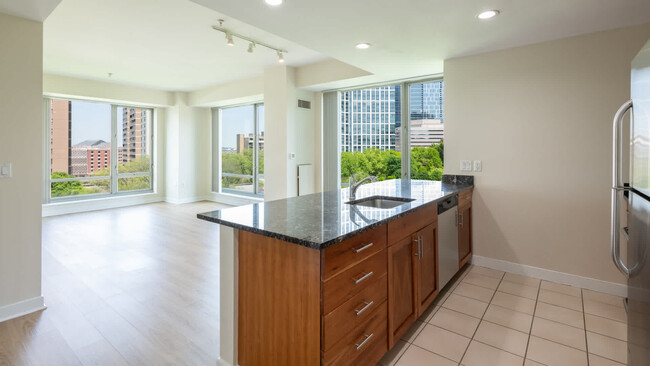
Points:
617	188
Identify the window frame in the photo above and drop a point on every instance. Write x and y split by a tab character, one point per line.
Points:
404	118
114	174
217	152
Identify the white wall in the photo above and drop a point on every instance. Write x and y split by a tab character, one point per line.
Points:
21	42
539	117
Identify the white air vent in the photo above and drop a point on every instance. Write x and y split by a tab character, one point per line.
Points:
304	104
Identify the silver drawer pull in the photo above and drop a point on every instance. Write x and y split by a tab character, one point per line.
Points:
363	277
358	250
368	304
359	345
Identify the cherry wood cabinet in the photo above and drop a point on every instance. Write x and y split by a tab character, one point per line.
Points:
426	267
402	301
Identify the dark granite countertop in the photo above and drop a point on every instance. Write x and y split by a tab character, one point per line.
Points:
322	219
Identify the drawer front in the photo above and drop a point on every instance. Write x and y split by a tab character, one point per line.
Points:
407	225
363	346
353	280
464	200
340	256
354	312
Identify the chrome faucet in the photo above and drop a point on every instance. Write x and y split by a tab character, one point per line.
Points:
355	185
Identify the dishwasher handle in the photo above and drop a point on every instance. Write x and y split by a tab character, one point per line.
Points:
447	204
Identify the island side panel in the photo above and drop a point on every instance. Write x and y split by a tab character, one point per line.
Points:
279	302
228	289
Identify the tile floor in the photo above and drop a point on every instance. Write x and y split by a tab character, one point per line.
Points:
487	317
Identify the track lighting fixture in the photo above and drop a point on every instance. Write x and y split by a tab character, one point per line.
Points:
252	43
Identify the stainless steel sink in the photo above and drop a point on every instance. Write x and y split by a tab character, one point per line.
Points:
380	201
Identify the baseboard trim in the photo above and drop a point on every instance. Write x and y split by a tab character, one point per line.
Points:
70	207
549	275
180	201
222	362
21	308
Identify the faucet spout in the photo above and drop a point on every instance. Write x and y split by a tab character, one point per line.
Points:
355	185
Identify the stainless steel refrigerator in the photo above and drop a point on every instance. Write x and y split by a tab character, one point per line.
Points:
637	193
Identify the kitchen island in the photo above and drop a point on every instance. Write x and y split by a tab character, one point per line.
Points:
314	280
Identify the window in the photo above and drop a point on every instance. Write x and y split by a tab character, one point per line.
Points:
242	150
81	131
376	138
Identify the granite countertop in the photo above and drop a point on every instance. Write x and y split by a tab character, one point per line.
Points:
320	220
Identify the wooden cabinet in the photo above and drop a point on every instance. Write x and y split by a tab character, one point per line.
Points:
412	269
464	227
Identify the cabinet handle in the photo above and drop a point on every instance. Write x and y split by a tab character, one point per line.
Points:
363	277
358	250
360	311
418	253
421	246
359	345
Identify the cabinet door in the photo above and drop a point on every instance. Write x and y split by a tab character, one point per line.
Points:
427	267
402	304
464	235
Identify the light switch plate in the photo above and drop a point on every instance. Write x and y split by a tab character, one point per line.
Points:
466	165
478	165
5	170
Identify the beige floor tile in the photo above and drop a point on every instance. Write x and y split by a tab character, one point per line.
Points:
428	314
601	297
503	338
605	310
532	363
518	289
456	322
608	327
601	361
487	272
391	357
481	280
564	289
523	280
607	347
442	342
413	332
560	315
479	354
559	299
508	318
465	305
474	292
513	302
416	356
554	354
560	333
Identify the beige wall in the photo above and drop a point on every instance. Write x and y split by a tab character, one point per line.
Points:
21	42
539	117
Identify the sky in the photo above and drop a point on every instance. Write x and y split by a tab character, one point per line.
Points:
90	121
238	120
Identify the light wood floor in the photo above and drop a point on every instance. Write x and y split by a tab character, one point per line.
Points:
129	286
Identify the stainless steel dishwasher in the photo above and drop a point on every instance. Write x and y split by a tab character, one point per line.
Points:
447	240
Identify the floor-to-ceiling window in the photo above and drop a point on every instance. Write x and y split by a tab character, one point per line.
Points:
392	131
242	149
97	149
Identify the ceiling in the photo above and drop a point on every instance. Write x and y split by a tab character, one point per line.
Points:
36	10
169	44
161	44
413	37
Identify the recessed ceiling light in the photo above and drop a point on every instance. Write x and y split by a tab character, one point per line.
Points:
363	46
488	14
274	2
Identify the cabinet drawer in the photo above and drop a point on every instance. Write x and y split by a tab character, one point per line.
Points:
407	225
351	281
363	346
464	200
354	312
340	256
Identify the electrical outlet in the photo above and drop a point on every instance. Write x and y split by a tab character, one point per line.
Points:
478	166
466	165
5	170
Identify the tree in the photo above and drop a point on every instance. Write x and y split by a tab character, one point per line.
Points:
62	189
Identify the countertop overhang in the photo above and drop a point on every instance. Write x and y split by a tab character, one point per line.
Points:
323	219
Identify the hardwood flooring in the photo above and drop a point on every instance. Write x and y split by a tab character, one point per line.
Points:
128	286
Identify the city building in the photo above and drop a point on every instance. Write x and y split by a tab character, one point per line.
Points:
245	142
89	156
425	101
134	132
425	132
60	130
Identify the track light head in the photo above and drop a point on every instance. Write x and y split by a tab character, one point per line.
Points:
251	47
229	39
280	57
